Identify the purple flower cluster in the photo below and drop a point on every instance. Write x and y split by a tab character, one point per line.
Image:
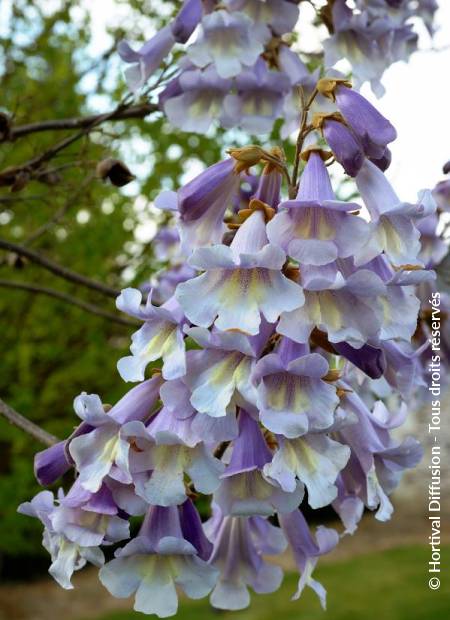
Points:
238	67
238	70
375	34
253	401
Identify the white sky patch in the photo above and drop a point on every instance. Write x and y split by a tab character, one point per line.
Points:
416	103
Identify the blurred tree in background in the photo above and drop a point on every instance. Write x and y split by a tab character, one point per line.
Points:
57	62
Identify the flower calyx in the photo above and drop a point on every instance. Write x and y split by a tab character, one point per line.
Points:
327	86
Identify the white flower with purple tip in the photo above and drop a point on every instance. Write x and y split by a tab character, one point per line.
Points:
292	397
102	450
240	283
239	545
244	490
67	556
229	40
161	336
157	561
314	459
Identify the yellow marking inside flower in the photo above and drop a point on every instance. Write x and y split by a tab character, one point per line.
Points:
251	484
242	369
169	457
240	283
389	237
387	313
325	231
162	342
260	12
254	106
314	224
93	521
313	307
205	106
147	564
286	392
290	455
225	370
307	456
331	313
110	450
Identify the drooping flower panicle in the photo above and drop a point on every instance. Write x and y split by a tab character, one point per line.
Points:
263	344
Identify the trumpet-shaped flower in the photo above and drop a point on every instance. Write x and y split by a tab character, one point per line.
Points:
244	490
377	461
395	232
348	304
258	101
160	461
315	228
195	100
239	545
219	376
292	397
306	550
240	283
158	560
103	451
161	336
280	15
89	519
67	556
179	419
314	459
230	40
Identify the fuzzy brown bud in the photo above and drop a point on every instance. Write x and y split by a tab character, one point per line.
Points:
116	171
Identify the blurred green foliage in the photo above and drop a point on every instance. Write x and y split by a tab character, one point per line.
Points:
51	351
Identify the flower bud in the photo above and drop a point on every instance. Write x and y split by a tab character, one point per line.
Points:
247	156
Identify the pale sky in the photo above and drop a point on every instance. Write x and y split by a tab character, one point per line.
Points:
417	102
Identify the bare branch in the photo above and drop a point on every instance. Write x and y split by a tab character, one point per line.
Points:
26	425
136	111
58	270
19	175
84	305
13	198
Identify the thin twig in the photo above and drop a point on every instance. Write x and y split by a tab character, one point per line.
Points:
10	175
136	111
19	198
57	269
301	135
84	305
26	425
